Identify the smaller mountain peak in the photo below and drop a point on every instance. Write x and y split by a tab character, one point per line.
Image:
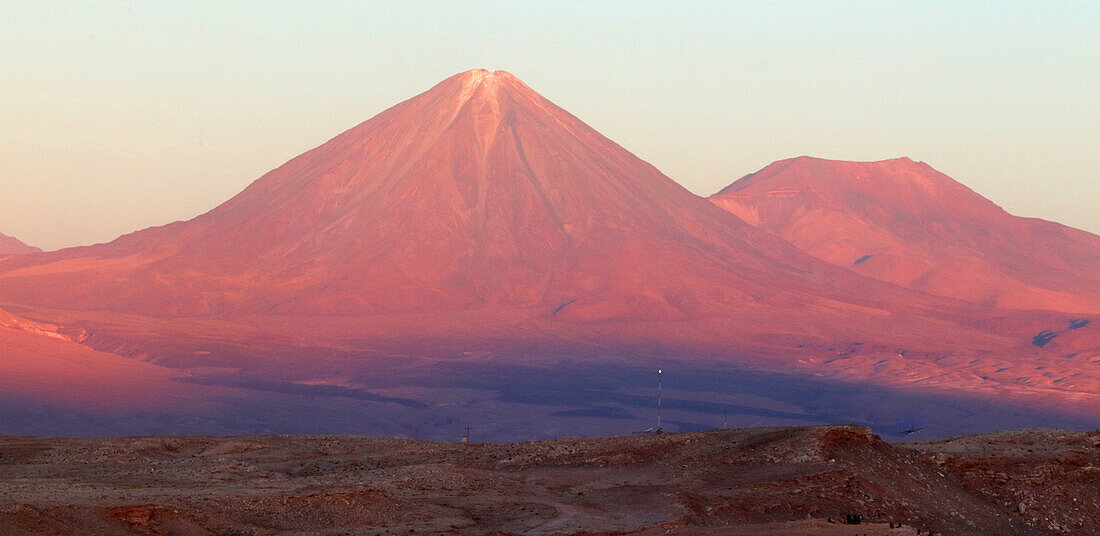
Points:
811	171
902	161
814	159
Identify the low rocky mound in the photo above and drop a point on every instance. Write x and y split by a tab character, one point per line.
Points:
747	481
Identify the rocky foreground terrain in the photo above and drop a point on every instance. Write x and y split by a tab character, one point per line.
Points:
746	481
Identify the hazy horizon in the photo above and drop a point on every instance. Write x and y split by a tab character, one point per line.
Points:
125	116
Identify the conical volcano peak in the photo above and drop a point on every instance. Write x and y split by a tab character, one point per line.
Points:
483	75
474	78
477	191
485	85
480	83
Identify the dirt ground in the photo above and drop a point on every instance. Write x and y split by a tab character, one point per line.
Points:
761	481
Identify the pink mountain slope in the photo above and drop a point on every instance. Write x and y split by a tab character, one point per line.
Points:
40	364
904	222
12	246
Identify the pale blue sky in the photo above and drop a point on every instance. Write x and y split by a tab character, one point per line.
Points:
121	115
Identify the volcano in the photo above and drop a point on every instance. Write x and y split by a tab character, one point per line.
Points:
478	194
479	230
12	246
904	222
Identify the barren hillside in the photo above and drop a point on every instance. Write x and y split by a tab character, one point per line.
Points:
744	481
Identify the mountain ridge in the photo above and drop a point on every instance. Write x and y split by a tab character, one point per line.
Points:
904	222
